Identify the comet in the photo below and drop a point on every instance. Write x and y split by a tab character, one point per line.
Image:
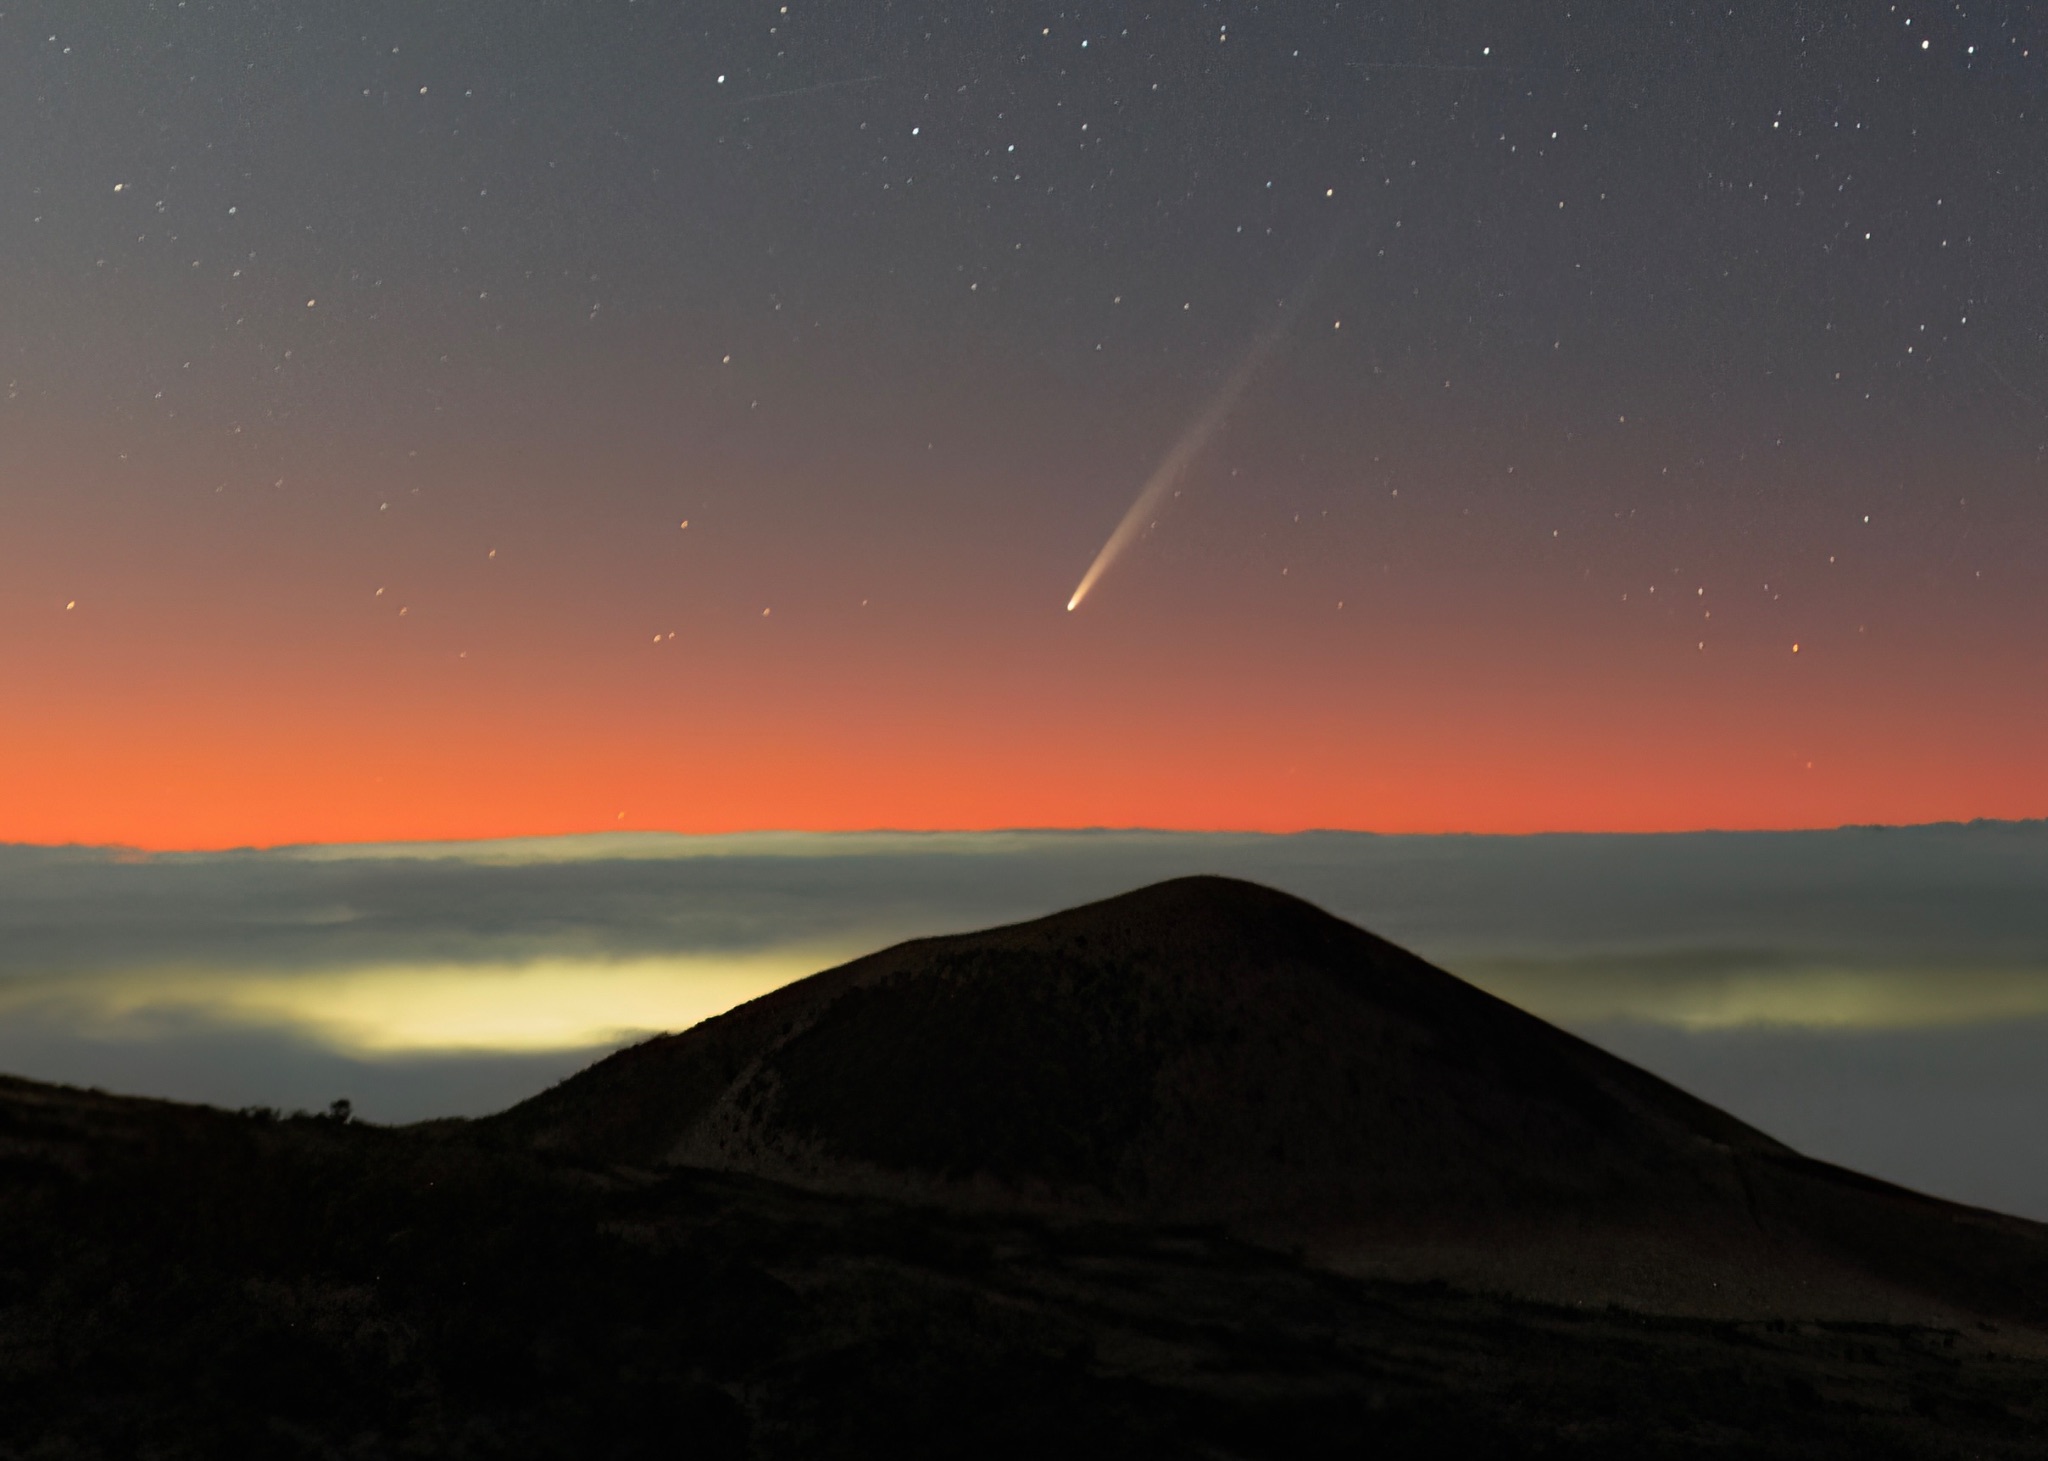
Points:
1191	442
1179	457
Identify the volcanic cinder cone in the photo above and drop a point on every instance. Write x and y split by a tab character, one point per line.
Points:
1208	1051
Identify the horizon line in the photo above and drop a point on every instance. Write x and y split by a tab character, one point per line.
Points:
415	846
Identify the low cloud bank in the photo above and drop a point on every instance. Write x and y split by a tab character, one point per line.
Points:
451	978
1923	896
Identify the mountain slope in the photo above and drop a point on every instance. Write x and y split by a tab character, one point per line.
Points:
182	1282
1145	1179
1210	1051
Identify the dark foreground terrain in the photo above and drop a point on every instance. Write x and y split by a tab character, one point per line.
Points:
183	1282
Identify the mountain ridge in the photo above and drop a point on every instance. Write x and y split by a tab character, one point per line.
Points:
1211	1051
1043	1212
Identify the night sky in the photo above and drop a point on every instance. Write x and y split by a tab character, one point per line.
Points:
464	419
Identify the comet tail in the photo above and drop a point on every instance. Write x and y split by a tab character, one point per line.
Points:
1179	458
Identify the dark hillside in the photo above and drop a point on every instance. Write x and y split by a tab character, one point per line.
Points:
185	1283
1101	1054
1199	1172
1211	1051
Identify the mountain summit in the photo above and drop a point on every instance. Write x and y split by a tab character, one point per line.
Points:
1208	1051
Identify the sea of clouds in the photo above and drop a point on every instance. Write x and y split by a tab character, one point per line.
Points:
1875	996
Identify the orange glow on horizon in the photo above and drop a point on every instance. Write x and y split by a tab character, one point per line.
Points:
219	696
220	773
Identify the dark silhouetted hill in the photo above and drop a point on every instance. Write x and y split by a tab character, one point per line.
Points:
1197	1172
1211	1051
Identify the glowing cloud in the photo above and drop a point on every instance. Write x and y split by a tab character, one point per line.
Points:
399	1009
1782	995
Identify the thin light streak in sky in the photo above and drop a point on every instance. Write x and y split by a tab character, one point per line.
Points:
807	90
1177	460
1191	442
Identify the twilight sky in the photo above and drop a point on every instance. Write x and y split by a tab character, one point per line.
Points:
1609	417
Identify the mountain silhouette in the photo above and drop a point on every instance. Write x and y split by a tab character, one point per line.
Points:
1195	1172
1211	1051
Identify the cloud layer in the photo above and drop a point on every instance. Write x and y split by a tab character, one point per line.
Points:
436	979
1853	928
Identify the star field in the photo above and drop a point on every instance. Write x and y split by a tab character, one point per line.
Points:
1656	432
